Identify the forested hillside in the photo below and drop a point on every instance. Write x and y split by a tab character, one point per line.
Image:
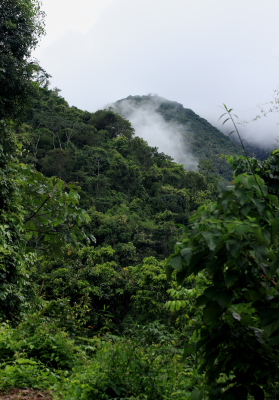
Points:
94	305
134	195
204	141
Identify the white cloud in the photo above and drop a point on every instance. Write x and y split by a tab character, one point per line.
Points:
64	17
152	127
200	53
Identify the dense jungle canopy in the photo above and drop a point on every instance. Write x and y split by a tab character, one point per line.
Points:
94	305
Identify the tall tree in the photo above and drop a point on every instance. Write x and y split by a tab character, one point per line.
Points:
21	26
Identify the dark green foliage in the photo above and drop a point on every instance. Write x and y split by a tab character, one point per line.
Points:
111	122
68	300
115	171
52	216
105	295
235	240
20	28
11	220
267	169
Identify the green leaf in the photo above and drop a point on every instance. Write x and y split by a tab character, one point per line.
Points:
271	328
274	266
230	276
222	116
273	340
242	229
211	312
274	231
234	247
186	253
211	239
196	394
273	199
176	262
224	299
188	350
225	121
169	271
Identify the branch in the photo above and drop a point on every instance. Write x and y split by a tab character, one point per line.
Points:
43	232
33	215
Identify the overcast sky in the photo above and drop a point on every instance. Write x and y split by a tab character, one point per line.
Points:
200	53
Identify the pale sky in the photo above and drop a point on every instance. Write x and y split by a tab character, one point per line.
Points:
200	53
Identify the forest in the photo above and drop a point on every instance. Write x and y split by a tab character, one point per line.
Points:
124	275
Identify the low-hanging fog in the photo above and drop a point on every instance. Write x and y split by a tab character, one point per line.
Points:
152	127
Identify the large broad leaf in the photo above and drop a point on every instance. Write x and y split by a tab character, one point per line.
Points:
273	268
169	271
274	231
176	262
241	196
211	239
230	277
234	247
224	299
186	253
260	204
245	209
273	340
273	199
241	229
182	275
271	328
211	313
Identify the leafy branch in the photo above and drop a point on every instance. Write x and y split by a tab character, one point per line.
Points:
231	118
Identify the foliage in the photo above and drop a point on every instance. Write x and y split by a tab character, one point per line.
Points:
237	248
99	295
21	25
145	365
29	203
267	169
203	140
124	369
135	195
11	233
35	354
52	216
20	29
67	300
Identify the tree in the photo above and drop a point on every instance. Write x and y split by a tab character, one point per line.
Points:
21	25
112	123
234	240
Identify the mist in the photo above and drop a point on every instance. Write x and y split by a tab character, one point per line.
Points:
151	126
257	126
